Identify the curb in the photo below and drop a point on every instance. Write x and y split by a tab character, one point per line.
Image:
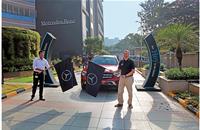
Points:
4	96
17	91
139	72
184	104
171	94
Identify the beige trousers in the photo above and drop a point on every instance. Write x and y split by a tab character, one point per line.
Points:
128	82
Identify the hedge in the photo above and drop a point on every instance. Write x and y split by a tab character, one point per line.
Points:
185	74
19	47
162	67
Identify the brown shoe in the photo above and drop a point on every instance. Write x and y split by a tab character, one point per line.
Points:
118	105
130	106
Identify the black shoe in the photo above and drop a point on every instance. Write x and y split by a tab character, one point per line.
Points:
42	99
118	105
130	106
31	99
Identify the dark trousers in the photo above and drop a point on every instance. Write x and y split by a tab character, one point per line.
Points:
38	77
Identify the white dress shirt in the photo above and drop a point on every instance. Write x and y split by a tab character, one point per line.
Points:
40	64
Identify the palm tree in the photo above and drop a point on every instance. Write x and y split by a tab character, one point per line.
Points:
175	36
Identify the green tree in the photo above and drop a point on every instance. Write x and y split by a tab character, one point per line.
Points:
182	11
93	45
131	41
157	14
150	15
176	36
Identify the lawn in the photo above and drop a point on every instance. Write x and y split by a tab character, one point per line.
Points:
21	80
30	78
7	88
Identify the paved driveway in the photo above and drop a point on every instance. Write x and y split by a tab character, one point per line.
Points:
76	110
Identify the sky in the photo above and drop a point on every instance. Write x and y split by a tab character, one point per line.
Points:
120	17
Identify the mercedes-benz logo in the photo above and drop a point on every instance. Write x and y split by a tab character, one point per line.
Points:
66	75
92	79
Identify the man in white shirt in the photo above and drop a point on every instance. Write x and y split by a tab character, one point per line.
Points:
39	66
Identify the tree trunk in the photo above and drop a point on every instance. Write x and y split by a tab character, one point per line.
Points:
179	56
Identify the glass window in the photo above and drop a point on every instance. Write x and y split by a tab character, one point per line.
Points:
9	8
15	11
27	12
21	11
84	27
102	60
84	3
32	13
4	7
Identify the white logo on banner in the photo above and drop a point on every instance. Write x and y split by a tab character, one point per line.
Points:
92	79
66	75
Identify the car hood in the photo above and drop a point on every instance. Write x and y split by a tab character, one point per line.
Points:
110	68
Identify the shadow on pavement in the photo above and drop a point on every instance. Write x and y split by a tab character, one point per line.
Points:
127	119
118	121
36	121
18	108
152	114
79	120
103	96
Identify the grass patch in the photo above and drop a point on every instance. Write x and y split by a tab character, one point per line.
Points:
189	97
7	88
30	78
21	80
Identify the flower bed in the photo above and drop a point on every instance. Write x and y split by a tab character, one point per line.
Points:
187	100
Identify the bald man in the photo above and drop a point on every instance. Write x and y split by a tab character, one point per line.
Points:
127	68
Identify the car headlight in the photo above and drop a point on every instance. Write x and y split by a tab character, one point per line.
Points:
116	73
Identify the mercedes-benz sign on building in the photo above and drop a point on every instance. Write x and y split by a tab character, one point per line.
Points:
70	21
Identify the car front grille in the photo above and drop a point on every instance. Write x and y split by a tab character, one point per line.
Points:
107	75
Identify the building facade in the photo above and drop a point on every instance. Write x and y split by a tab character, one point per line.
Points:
98	18
71	22
18	13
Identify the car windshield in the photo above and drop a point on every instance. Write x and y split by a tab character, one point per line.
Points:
105	60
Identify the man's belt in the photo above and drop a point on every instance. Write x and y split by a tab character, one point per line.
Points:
38	72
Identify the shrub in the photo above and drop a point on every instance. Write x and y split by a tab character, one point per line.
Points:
19	47
17	65
55	61
162	67
77	60
185	74
146	66
184	94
